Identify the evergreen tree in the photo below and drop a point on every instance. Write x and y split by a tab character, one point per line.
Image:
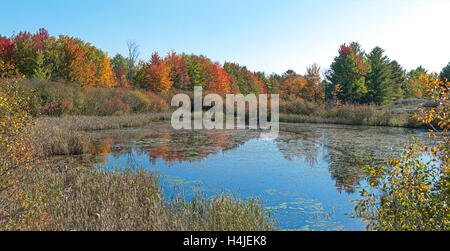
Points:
266	81
378	80
445	73
416	73
41	72
194	71
398	77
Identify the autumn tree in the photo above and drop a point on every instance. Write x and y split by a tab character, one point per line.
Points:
414	87
106	78
158	75
247	81
178	71
140	75
412	191
74	64
293	87
348	73
234	88
208	75
221	82
120	68
314	84
234	73
29	50
25	53
267	83
21	204
275	81
6	50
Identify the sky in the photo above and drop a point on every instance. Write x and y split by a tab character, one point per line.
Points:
270	36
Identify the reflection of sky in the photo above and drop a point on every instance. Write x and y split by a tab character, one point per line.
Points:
300	195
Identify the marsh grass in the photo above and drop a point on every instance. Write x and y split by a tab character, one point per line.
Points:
82	197
348	117
301	111
93	123
68	135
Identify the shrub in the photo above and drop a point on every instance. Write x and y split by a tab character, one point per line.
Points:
298	106
59	98
20	201
51	139
411	192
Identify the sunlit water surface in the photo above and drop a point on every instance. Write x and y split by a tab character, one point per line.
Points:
306	178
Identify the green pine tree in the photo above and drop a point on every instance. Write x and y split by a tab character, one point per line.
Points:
41	72
398	77
379	80
445	73
194	71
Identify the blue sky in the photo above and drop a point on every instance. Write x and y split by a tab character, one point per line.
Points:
270	36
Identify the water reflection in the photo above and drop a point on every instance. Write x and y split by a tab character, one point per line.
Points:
306	177
161	142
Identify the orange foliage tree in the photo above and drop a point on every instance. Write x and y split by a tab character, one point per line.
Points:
158	79
75	66
222	83
292	87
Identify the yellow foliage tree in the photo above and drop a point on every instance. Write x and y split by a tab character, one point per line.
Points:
106	74
412	192
292	87
20	200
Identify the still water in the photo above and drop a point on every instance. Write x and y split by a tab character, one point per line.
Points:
306	178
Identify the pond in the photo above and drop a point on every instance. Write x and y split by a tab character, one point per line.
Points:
306	178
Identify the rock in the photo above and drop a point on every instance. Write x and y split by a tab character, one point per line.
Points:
410	101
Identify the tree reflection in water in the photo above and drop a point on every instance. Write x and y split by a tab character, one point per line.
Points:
343	147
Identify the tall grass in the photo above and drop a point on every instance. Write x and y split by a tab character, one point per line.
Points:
88	198
80	196
93	123
300	111
68	135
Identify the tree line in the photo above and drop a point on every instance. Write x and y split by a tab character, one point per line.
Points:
354	77
372	78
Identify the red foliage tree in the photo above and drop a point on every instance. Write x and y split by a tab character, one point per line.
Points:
178	71
6	49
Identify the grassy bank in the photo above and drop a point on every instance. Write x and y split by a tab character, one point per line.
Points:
93	123
68	135
82	197
300	111
393	121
